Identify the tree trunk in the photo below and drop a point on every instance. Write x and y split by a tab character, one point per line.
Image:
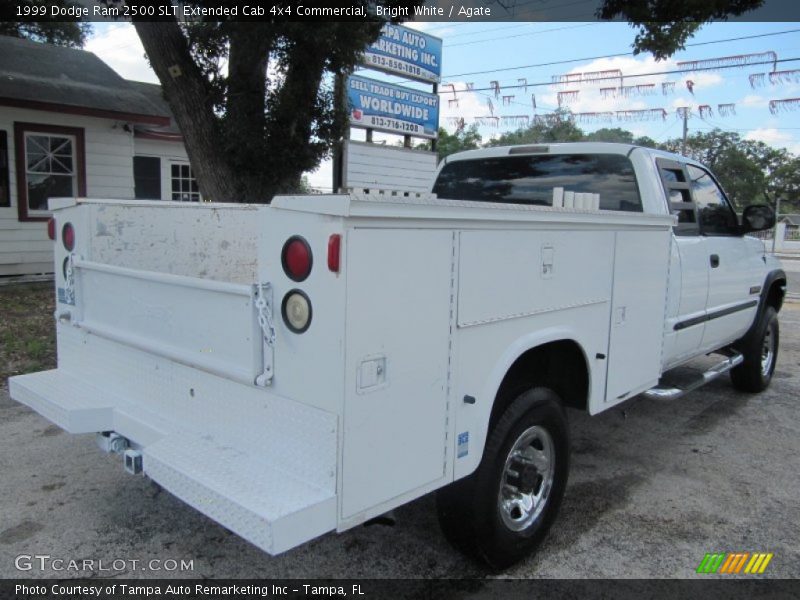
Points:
187	94
289	146
245	116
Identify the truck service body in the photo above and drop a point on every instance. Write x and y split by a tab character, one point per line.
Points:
301	367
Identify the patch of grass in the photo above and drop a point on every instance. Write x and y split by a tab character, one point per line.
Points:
27	329
36	349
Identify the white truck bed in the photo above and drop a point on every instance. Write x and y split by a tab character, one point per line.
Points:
162	342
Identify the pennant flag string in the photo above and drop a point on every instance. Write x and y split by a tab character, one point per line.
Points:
738	60
776	106
567	97
726	110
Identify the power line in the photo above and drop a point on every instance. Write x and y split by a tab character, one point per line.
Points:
481	91
616	78
517	26
574	60
665	131
506	37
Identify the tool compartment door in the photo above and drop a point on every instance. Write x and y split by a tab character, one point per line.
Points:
641	261
398	333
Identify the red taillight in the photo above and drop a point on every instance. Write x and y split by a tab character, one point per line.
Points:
334	249
296	258
51	228
68	237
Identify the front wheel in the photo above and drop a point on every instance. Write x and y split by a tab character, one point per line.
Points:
760	351
503	511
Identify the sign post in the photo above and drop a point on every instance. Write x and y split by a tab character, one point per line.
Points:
376	105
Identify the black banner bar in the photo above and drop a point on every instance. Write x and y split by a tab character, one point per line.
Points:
342	10
369	589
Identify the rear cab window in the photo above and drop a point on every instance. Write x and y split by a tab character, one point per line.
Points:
527	179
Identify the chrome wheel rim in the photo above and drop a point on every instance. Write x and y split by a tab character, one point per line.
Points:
767	353
527	478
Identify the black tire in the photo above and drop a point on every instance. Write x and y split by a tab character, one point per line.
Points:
470	511
755	373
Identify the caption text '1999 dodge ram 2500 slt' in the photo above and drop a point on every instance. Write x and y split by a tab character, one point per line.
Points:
295	368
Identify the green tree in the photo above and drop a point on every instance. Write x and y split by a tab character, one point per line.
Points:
556	127
750	171
646	141
784	184
610	134
782	173
72	34
664	26
466	138
255	101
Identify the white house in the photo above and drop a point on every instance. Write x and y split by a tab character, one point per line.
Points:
71	126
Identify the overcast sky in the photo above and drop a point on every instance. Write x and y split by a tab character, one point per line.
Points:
473	53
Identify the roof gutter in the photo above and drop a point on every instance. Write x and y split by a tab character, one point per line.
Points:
86	111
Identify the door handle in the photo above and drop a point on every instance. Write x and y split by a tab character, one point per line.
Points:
714	258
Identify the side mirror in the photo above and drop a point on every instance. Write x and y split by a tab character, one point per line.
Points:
757	217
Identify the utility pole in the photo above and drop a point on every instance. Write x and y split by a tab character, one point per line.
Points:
685	130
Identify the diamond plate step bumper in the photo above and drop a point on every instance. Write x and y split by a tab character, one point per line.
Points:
276	491
269	508
73	405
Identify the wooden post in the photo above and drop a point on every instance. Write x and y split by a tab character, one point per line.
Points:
436	93
340	94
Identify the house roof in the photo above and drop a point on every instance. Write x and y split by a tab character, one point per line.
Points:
154	94
791	220
55	78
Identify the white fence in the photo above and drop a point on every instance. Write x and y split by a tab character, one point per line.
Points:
781	238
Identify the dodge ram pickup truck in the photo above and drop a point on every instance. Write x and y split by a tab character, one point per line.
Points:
304	366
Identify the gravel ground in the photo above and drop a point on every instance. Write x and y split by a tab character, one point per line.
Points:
654	486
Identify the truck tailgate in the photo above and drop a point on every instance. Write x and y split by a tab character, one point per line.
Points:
211	325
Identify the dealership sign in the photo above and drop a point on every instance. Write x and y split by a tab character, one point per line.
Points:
403	51
386	107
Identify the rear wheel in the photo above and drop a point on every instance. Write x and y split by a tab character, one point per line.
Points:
502	512
760	351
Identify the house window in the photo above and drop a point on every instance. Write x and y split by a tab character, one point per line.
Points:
50	164
184	185
5	192
147	177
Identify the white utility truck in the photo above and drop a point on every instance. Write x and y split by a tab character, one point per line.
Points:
301	367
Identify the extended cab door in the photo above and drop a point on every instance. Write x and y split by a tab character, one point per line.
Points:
688	275
735	268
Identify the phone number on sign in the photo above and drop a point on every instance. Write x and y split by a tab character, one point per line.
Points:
384	62
393	124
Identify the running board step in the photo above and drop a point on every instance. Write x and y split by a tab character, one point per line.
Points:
673	393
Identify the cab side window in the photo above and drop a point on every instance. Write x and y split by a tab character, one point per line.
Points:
715	214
